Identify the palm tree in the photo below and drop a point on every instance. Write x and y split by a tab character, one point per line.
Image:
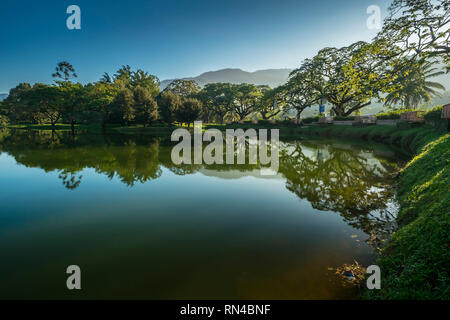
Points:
414	88
106	78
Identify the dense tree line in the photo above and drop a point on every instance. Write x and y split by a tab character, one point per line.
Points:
394	68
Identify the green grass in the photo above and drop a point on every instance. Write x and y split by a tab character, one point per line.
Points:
416	262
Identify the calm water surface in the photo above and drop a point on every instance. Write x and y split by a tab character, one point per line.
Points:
141	227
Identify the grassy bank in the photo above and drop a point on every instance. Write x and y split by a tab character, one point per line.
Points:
415	263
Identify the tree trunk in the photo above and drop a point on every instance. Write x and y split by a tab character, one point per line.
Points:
299	112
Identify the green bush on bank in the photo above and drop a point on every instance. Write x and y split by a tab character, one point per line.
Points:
344	118
391	115
310	119
433	117
3	121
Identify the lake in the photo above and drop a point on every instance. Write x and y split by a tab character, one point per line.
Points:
141	227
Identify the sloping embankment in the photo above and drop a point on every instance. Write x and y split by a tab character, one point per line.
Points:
415	263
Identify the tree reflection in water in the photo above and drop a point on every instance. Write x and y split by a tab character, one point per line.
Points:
331	177
70	180
343	180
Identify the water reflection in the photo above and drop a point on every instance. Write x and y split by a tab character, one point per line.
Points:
330	176
185	231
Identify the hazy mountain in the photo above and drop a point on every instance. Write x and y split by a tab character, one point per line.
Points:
271	77
3	96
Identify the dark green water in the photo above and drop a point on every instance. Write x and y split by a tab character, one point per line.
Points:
141	227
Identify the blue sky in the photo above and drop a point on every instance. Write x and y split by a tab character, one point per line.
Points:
172	38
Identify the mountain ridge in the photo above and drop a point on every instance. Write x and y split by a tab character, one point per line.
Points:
270	77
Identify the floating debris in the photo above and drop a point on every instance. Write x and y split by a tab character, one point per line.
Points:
352	274
349	274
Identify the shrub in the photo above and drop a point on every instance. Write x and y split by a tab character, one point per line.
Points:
343	118
433	117
3	121
391	115
311	119
266	122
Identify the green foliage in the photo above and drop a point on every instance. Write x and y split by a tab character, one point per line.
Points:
245	98
98	102
140	78
341	118
124	111
4	121
391	115
349	77
235	101
310	119
217	100
434	114
189	111
412	84
266	122
168	103
419	29
268	106
64	71
184	88
433	117
146	108
303	89
127	98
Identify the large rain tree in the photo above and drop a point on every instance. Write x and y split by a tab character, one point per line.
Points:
269	105
351	77
217	100
184	88
246	98
303	89
419	28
